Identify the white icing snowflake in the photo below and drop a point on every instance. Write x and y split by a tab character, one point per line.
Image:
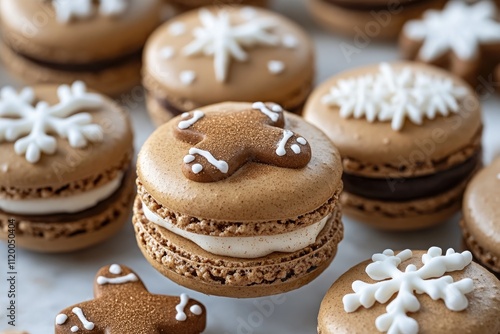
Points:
81	9
219	38
405	284
460	28
29	125
395	96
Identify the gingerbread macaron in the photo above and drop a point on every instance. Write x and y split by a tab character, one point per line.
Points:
65	176
60	41
226	53
410	139
239	200
367	20
462	38
411	292
481	221
122	304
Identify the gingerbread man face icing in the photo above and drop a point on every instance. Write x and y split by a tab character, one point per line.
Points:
123	305
225	141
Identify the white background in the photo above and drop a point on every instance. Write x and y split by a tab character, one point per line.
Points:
49	283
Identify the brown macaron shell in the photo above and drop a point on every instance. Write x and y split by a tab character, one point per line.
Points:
480	317
31	32
254	201
368	20
246	81
481	222
373	151
71	171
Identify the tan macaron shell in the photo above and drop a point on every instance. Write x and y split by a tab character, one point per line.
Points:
257	192
246	81
70	164
480	317
481	210
31	27
377	144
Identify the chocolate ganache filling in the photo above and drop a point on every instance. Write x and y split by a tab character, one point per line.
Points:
94	66
369	5
408	189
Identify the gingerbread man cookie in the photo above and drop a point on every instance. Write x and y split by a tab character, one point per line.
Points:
462	38
224	141
123	305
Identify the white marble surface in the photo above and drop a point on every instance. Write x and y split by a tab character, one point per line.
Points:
49	283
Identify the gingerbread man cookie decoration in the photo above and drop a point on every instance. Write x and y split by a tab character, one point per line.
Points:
462	38
123	305
224	141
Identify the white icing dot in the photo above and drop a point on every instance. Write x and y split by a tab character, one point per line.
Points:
187	77
61	319
188	158
115	269
196	168
301	141
74	329
167	52
4	168
290	41
275	66
177	29
248	13
196	309
295	148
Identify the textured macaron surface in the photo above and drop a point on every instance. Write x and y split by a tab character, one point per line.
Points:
257	191
481	222
270	59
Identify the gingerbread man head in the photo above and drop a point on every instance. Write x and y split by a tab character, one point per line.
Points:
122	304
224	141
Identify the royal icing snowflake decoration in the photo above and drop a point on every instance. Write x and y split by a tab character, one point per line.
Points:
427	279
31	126
220	38
66	10
393	96
460	28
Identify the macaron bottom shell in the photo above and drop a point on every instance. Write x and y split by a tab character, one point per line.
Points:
187	264
103	221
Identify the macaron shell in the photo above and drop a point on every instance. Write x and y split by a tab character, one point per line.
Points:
482	214
376	143
480	317
257	192
72	235
70	164
246	81
32	28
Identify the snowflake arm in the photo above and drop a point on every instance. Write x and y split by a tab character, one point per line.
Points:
112	7
73	98
404	284
68	9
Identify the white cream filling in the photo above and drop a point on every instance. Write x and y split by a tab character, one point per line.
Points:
245	247
69	204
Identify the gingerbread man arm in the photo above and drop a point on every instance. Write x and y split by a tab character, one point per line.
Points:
77	319
225	141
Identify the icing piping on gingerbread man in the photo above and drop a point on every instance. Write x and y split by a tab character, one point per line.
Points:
133	309
225	141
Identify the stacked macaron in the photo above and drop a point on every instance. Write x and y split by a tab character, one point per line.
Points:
410	139
65	176
239	200
98	42
220	54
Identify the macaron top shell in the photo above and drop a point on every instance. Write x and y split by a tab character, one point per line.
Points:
69	164
255	192
250	80
32	28
482	208
378	144
480	316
